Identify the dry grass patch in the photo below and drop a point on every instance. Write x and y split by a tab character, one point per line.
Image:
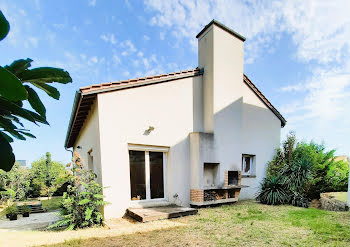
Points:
245	223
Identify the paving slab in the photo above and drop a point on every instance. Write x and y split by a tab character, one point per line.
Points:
37	221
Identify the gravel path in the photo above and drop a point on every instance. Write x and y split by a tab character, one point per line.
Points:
35	221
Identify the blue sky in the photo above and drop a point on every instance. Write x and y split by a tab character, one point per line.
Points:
297	53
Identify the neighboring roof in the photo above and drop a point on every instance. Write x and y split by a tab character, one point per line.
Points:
86	96
222	26
342	158
264	99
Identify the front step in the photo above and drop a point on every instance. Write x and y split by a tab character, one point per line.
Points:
159	213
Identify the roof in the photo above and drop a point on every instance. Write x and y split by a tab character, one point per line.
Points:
86	96
222	26
342	158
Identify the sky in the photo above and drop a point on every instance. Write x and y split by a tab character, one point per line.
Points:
296	52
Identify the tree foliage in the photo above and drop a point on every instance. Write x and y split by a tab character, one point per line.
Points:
303	170
16	183
83	201
17	83
42	179
46	176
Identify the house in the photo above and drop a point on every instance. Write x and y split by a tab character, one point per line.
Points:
191	138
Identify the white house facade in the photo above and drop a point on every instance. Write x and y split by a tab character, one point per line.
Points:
191	138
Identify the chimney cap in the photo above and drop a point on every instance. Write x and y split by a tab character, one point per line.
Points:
222	26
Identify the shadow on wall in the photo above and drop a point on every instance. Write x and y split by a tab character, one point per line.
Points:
255	133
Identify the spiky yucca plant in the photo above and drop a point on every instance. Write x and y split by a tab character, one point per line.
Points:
273	191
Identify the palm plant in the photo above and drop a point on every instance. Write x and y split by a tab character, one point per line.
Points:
273	191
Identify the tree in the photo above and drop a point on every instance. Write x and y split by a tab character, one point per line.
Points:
47	176
16	182
16	86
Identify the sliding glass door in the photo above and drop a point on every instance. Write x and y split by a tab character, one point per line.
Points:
147	172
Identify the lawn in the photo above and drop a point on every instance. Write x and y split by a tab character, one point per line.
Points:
53	204
245	223
341	196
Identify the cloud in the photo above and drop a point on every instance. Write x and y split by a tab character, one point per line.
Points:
92	3
146	38
109	38
185	18
129	47
161	35
319	31
116	59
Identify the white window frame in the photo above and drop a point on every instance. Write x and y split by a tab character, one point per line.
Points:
252	168
147	149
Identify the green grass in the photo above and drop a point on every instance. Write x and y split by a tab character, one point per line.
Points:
341	196
53	204
242	224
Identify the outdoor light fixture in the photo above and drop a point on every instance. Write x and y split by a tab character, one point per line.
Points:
79	147
148	131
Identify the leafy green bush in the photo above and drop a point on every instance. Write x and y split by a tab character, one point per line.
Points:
83	200
306	170
11	210
338	176
273	191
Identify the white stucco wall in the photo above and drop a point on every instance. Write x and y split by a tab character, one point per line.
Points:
125	115
89	139
260	137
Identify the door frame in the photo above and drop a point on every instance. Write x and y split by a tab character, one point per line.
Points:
147	149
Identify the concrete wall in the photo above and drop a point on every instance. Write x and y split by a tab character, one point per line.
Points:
169	108
241	122
89	141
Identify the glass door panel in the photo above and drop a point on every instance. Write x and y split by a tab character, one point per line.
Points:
156	175
137	175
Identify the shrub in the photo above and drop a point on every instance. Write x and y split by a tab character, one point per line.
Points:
11	210
306	170
273	191
82	202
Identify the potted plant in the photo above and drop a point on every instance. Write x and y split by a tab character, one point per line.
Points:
25	211
11	212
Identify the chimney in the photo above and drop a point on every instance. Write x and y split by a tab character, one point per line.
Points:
220	54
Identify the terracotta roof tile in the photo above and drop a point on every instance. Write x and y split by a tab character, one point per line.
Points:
116	85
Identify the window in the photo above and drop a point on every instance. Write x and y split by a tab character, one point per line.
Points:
248	164
147	174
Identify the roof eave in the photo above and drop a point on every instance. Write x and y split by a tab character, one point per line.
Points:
72	117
